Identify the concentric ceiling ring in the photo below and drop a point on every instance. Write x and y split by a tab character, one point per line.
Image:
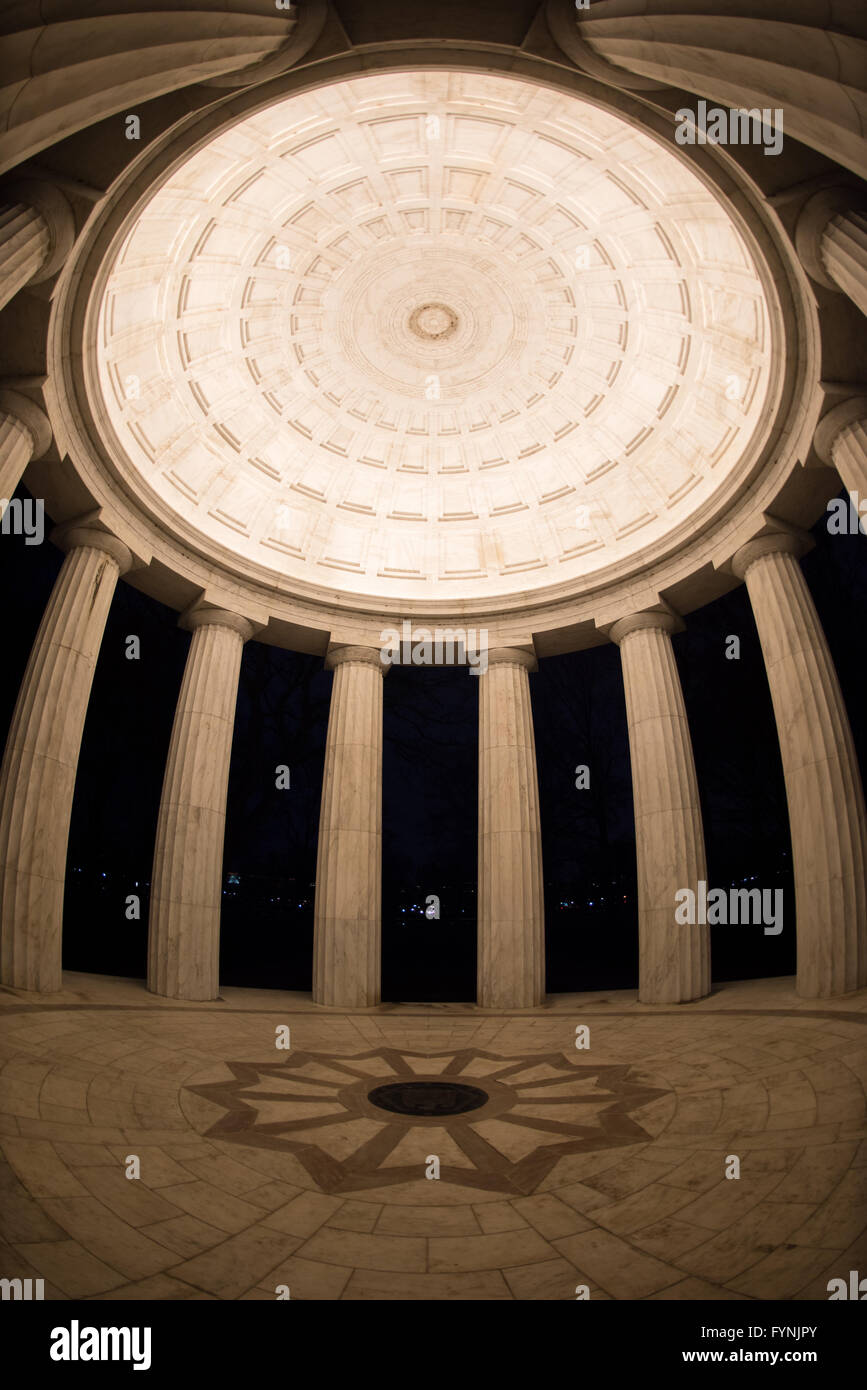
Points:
434	322
433	334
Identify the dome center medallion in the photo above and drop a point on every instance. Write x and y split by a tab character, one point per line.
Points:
433	322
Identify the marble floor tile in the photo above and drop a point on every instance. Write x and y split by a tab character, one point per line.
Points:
604	1168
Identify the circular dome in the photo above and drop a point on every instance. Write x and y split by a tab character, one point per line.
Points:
433	334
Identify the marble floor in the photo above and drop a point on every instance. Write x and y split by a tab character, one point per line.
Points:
263	1167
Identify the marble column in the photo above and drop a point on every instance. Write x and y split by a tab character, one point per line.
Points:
844	253
348	913
823	785
70	64
807	59
25	434
673	958
37	779
511	912
831	240
841	442
37	230
187	878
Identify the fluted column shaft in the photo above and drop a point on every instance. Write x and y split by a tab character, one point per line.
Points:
37	230
37	779
511	913
673	958
841	442
348	912
187	878
844	254
823	785
15	449
831	240
24	434
850	458
805	59
69	64
24	247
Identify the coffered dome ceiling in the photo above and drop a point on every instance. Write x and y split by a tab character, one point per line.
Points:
432	332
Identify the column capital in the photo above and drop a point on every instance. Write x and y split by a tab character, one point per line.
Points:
54	209
662	619
28	414
792	542
341	655
75	534
195	618
831	426
512	656
810	227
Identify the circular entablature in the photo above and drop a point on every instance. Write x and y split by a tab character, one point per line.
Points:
432	336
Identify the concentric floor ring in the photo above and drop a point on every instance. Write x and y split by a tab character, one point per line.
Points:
605	1167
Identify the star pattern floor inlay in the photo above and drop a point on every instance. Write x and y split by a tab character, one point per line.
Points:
539	1108
604	1167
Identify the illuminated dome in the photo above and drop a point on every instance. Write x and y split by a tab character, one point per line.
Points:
432	334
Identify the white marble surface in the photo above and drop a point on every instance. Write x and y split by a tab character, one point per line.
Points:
37	779
187	878
348	909
673	959
827	815
267	376
511	922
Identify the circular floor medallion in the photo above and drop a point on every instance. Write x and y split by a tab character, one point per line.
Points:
427	1098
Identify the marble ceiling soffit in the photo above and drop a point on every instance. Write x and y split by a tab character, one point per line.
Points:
433	337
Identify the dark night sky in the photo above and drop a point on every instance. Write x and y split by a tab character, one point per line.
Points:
429	791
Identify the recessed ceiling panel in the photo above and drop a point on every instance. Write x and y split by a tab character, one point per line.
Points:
433	334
